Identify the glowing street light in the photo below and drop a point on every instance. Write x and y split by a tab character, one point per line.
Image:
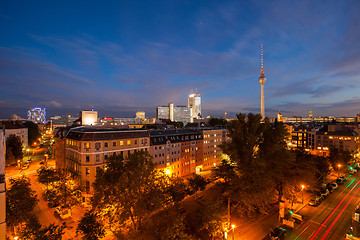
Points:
339	165
302	193
233	228
167	171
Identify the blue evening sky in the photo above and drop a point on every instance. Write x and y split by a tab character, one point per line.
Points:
119	57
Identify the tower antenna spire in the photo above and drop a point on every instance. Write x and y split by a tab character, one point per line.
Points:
262	61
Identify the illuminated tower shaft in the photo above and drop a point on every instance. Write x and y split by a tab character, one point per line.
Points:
262	108
262	80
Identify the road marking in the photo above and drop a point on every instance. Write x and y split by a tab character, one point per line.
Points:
302	232
339	215
327	219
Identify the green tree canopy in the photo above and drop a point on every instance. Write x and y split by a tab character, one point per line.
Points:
263	162
212	216
197	182
48	176
339	156
128	191
13	149
34	231
218	122
90	227
20	201
177	230
33	132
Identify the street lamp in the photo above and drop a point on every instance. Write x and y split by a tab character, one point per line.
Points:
339	165
302	193
233	230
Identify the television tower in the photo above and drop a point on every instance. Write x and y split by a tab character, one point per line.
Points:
262	80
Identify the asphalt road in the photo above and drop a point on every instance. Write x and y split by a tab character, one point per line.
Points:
332	218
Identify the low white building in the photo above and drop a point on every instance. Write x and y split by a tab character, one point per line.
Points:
16	128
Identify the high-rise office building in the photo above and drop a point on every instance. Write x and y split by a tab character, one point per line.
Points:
37	115
174	113
194	103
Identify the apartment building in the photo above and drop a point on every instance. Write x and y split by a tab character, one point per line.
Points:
177	150
336	136
87	148
213	138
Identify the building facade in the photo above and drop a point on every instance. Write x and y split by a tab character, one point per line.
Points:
194	103
2	187
88	117
37	115
16	128
179	152
88	148
174	113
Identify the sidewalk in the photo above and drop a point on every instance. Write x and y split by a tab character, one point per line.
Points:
260	227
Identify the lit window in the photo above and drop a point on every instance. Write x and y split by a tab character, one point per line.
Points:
121	143
128	142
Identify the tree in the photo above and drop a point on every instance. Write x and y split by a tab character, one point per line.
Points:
90	227
197	182
178	189
279	160
225	170
128	191
218	122
34	231
47	176
33	132
13	149
68	191
339	156
20	201
212	216
177	230
263	163
63	189
253	185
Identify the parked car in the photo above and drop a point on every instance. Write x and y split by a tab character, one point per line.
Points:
324	192
277	233
334	185
314	202
339	181
343	178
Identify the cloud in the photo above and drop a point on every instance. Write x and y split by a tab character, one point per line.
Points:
55	104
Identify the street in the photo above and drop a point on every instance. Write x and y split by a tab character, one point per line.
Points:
332	218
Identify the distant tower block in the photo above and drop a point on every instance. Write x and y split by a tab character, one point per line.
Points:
310	113
194	103
262	80
279	117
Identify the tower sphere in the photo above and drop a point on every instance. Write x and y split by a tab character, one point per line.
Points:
262	79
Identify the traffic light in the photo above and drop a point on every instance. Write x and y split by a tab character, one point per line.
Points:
291	212
351	168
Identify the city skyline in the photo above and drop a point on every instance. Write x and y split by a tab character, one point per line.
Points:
128	57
